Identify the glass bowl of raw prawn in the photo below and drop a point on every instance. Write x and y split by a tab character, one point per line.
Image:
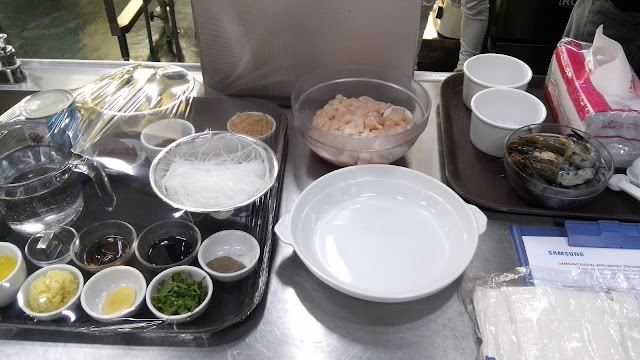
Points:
354	115
556	166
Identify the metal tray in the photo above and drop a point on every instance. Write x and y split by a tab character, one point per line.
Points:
481	179
139	206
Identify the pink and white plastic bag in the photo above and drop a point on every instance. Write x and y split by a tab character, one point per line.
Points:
593	88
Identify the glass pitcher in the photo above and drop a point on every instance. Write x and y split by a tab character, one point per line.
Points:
39	183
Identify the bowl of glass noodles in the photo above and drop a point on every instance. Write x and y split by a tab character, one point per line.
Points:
213	171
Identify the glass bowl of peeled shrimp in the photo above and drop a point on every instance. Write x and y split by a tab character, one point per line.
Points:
556	166
360	115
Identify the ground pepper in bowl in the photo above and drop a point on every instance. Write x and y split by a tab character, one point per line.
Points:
225	265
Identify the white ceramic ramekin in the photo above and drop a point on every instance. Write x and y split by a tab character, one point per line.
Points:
497	112
486	71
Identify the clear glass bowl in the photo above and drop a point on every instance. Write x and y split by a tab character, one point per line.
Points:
556	197
164	230
103	231
314	91
50	247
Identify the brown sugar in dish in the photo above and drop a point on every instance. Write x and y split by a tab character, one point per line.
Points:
252	124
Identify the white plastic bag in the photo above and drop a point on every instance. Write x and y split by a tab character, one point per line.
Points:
593	88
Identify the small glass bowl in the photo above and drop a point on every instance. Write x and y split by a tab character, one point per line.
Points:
167	229
112	154
100	231
235	244
50	247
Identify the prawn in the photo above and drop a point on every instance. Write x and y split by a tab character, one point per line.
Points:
574	148
550	174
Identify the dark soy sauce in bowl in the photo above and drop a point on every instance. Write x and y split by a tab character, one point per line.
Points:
106	250
169	250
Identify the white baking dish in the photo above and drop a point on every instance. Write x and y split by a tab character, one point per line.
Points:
382	233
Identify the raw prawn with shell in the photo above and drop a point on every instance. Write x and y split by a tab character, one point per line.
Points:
562	161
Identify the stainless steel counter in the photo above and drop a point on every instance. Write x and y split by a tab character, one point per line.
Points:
300	317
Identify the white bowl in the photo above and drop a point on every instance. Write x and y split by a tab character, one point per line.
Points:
161	130
497	112
96	289
196	274
263	137
23	294
10	286
382	233
486	71
236	244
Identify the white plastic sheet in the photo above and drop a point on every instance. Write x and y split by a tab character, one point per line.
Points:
518	320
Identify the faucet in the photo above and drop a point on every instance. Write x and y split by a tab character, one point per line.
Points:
11	70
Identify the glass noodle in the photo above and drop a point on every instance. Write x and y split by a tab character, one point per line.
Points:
202	178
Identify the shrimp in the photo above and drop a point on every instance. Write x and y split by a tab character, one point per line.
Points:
362	117
354	126
544	156
573	148
551	174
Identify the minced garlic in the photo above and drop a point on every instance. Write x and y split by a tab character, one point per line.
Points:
52	291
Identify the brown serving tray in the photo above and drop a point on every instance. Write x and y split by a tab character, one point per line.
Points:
481	179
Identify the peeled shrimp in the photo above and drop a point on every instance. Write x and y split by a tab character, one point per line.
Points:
362	117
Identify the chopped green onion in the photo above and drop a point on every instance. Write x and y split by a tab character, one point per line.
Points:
179	295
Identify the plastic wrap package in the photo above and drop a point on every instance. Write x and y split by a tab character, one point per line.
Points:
128	99
104	118
593	88
105	121
518	317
